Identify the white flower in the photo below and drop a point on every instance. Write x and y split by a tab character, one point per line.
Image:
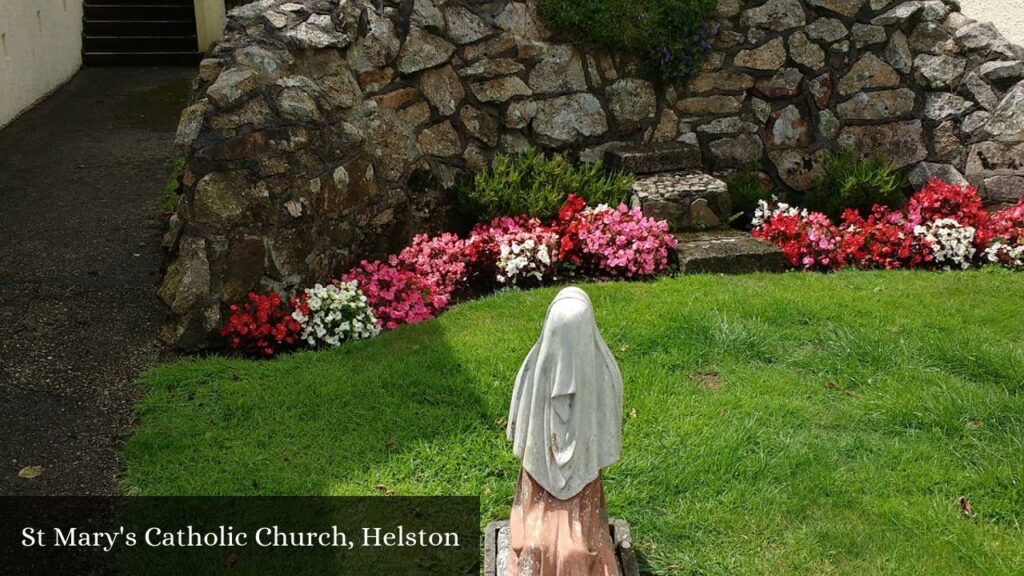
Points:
1009	256
542	255
337	313
518	261
765	211
952	243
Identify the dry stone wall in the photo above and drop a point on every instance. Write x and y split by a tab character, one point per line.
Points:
325	131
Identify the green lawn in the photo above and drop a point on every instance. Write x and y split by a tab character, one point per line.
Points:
777	424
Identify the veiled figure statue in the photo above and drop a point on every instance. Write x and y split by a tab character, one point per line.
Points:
564	425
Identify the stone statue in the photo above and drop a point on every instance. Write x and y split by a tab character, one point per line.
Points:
564	425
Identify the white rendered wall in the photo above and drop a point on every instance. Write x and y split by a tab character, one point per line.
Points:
1007	15
40	49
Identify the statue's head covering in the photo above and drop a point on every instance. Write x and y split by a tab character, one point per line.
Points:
566	413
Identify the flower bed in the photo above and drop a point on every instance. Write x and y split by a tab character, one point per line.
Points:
427	276
942	227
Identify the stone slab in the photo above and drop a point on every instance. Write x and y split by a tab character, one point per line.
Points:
669	157
496	547
727	252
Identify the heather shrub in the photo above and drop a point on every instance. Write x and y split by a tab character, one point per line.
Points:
536	186
671	36
849	182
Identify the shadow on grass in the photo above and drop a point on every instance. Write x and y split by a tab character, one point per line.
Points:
308	423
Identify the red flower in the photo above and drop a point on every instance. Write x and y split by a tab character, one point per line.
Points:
940	200
569	225
1008	225
262	326
885	239
808	240
486	240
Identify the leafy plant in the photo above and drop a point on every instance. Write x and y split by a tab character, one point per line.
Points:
671	35
531	184
746	188
172	186
848	182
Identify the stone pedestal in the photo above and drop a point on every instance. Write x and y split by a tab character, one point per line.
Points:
496	547
687	200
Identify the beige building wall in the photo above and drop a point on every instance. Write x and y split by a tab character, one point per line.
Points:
1007	15
40	49
210	19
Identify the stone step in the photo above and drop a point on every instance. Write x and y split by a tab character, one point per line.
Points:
137	44
727	252
687	199
184	58
671	157
153	11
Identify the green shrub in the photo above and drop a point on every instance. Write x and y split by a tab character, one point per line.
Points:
172	186
746	189
848	181
671	35
531	184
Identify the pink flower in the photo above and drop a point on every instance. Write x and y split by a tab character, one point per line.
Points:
397	296
443	261
515	251
618	243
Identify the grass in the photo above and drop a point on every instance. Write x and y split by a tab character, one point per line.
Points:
777	424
